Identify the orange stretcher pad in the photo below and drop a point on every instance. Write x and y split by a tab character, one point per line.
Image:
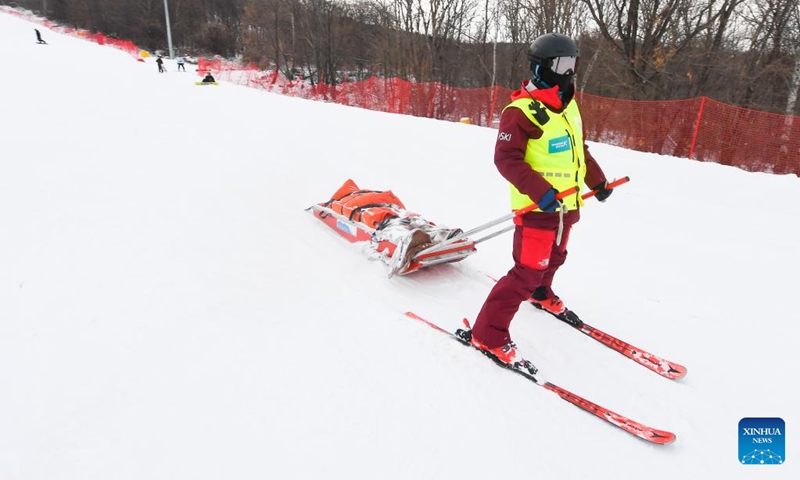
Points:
380	218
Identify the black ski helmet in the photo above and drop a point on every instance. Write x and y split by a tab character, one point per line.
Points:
542	54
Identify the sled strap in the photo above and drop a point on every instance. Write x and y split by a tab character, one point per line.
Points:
385	222
561	210
360	210
355	193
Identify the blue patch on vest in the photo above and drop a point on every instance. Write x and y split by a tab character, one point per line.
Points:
560	144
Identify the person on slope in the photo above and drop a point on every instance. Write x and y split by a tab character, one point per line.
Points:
540	150
39	37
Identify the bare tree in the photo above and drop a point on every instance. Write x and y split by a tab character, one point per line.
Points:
648	34
324	37
766	69
268	35
396	51
443	23
794	85
713	47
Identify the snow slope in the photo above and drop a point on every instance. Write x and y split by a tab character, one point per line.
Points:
168	310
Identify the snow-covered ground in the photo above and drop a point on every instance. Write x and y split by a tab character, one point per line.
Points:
168	310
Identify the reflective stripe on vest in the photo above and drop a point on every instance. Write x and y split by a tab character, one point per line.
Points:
558	155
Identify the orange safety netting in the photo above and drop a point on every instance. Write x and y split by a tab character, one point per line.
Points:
698	128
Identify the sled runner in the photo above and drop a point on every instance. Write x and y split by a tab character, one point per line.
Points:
405	241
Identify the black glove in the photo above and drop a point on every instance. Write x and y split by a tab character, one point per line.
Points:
602	191
548	203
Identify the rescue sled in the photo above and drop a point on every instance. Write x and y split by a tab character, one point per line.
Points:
391	252
405	241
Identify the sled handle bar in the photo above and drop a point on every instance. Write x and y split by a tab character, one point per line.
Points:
610	186
532	207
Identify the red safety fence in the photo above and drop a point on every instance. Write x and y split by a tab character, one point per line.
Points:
698	128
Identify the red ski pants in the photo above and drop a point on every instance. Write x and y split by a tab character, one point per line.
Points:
536	259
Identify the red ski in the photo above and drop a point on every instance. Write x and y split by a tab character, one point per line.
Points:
652	435
661	366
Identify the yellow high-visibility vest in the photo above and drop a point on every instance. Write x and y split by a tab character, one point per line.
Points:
558	155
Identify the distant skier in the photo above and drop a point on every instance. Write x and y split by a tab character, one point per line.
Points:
208	78
160	63
181	65
39	37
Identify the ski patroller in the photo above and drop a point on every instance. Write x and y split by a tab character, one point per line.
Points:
640	430
654	363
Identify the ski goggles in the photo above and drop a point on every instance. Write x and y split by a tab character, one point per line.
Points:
564	65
